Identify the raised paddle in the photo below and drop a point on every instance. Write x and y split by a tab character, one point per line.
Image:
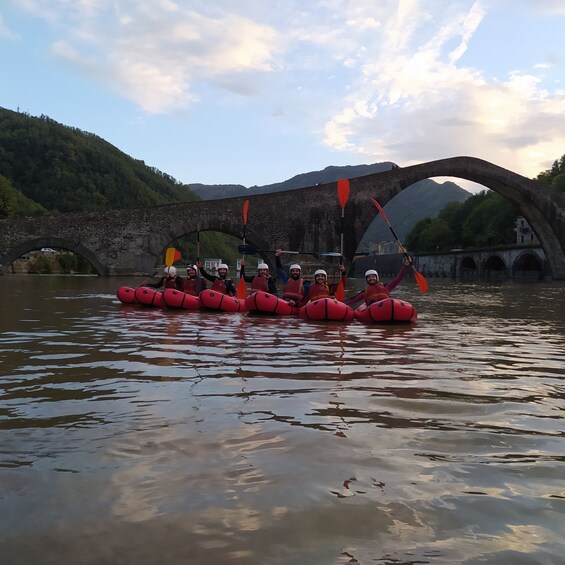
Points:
343	195
171	256
241	291
420	279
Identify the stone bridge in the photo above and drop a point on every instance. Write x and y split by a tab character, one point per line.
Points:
126	242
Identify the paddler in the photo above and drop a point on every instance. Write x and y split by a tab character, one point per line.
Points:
221	283
295	287
193	283
376	290
320	288
262	281
169	280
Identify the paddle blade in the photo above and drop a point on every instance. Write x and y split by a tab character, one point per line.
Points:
245	209
241	291
342	191
340	291
421	280
247	249
170	256
381	211
177	256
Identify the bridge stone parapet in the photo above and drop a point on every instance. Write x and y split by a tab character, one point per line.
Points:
124	242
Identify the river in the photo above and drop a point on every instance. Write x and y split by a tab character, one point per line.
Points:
146	436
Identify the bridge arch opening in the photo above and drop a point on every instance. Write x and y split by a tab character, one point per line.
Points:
495	268
52	256
468	269
528	266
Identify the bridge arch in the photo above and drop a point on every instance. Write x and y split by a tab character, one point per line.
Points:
529	264
58	243
129	241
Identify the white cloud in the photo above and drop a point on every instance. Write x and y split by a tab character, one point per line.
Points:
423	106
152	53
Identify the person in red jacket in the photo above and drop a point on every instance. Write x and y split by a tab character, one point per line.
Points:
220	283
193	284
376	290
320	288
262	281
169	280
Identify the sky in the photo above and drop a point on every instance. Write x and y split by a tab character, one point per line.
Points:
253	92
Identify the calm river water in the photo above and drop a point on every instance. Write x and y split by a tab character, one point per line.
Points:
139	436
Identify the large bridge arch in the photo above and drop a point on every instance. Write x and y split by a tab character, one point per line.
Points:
129	241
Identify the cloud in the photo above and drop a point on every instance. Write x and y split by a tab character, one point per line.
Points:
154	53
416	103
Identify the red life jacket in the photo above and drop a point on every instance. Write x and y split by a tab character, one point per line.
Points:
219	285
376	292
171	282
259	284
193	286
318	290
294	289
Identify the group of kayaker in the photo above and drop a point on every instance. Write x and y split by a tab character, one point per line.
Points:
296	291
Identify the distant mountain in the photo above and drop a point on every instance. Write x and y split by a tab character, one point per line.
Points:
422	199
425	198
327	175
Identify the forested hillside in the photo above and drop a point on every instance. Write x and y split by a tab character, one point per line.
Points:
49	166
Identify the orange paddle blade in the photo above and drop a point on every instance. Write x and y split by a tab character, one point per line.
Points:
381	211
245	208
340	291
177	256
342	191
421	280
241	291
170	256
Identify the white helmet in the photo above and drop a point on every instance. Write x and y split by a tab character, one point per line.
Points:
371	272
222	266
321	272
295	266
192	268
262	266
171	271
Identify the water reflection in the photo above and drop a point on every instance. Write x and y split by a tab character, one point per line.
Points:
154	436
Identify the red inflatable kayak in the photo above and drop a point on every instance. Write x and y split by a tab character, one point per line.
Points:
176	299
327	309
386	311
148	296
268	304
126	294
216	301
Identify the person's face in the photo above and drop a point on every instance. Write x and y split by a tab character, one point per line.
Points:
371	279
295	274
222	272
262	272
191	273
320	278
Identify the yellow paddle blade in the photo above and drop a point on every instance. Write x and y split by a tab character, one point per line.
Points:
170	256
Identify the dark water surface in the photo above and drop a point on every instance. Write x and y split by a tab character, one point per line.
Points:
139	436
